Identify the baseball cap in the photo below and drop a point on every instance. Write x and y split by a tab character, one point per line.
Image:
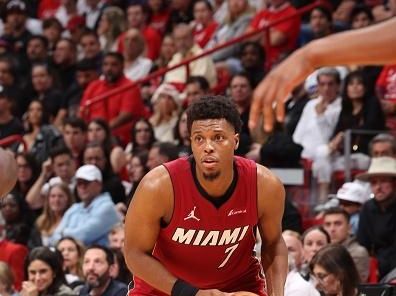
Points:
89	172
16	5
353	192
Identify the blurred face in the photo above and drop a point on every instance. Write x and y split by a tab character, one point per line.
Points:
41	274
69	253
16	20
74	138
202	13
24	172
381	149
168	48
360	20
85	77
241	92
142	133
136	170
64	166
95	156
350	207
10	209
326	282
104	25
328	88
6	78
193	92
294	248
132	47
250	57
355	89
155	5
166	104
337	227
35	113
36	50
213	143
112	69
236	7
96	269
382	188
90	46
96	132
41	79
183	129
319	23
313	242
155	158
57	200
52	33
116	239
184	39
63	53
87	190
135	16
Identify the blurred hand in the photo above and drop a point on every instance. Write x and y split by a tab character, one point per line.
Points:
29	289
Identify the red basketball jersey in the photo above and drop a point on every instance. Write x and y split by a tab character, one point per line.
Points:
209	247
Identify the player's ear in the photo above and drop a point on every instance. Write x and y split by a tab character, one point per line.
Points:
236	141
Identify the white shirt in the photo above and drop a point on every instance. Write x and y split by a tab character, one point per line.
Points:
138	69
296	286
315	129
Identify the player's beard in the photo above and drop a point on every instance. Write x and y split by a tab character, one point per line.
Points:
211	176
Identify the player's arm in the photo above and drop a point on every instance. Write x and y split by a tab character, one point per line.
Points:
374	45
8	172
271	201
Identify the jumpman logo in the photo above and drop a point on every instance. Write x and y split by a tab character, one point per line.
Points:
192	215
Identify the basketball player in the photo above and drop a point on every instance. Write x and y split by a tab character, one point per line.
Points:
190	229
374	45
8	172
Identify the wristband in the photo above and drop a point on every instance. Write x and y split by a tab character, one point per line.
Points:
182	288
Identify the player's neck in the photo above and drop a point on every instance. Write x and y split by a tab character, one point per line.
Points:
218	186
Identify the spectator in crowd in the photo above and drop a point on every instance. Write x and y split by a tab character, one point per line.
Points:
360	17
75	137
90	220
167	50
385	90
252	61
17	217
383	145
90	46
377	223
99	131
182	136
351	197
6	280
9	124
181	13
36	51
96	154
136	169
295	284
137	19
320	25
196	87
76	28
97	265
92	11
13	255
158	15
111	24
336	223
59	168
58	200
86	72
318	121
52	30
72	253
283	36
204	23
40	137
333	269
160	153
166	103
186	47
117	237
142	137
119	110
313	239
120	272
65	59
66	10
27	173
45	274
136	65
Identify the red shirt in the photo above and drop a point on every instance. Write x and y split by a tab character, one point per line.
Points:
202	35
47	8
127	101
386	83
209	247
290	28
153	43
159	20
14	255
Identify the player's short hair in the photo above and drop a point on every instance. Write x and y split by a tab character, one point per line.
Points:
214	107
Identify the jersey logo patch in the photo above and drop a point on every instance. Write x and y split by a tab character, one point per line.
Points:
191	215
233	212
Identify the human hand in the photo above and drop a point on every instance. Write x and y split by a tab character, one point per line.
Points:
46	169
276	86
29	289
8	172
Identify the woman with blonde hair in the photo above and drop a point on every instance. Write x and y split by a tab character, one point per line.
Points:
6	280
112	23
58	200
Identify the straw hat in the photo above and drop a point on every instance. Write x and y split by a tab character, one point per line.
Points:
380	166
167	89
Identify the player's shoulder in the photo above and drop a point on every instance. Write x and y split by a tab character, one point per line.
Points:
266	176
157	178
